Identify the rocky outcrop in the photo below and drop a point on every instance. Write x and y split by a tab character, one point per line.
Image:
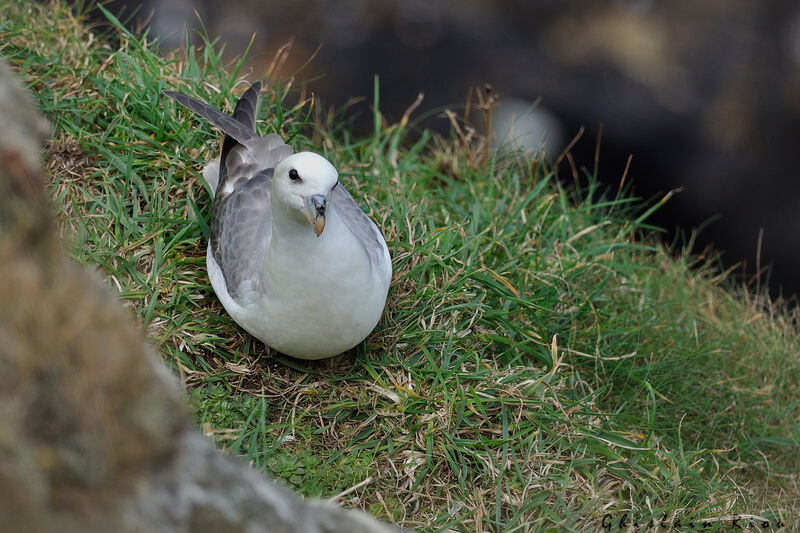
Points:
94	436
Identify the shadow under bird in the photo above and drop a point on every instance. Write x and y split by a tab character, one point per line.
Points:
291	256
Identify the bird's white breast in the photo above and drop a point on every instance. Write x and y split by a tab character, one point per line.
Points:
322	296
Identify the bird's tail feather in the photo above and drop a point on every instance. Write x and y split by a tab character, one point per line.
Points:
245	111
240	130
245	114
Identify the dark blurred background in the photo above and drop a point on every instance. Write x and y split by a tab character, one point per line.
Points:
704	95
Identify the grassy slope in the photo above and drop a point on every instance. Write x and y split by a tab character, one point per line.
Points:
539	363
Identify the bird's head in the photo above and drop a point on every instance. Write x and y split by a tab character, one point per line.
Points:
302	185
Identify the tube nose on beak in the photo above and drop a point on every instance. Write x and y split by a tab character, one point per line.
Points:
317	204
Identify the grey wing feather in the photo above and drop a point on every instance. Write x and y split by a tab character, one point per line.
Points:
241	228
239	131
241	163
244	152
359	224
247	106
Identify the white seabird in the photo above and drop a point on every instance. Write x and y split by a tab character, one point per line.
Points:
291	256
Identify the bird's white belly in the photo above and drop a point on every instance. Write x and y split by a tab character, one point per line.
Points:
321	321
317	310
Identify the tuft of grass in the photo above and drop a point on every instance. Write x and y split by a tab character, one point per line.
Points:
543	362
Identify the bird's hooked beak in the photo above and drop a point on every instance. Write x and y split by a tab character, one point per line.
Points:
315	206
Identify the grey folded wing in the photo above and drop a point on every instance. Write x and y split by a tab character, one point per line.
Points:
359	224
241	219
241	228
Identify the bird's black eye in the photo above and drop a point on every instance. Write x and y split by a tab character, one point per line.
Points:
293	175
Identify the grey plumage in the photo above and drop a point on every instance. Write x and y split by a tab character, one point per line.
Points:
241	221
241	227
240	215
359	224
244	152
